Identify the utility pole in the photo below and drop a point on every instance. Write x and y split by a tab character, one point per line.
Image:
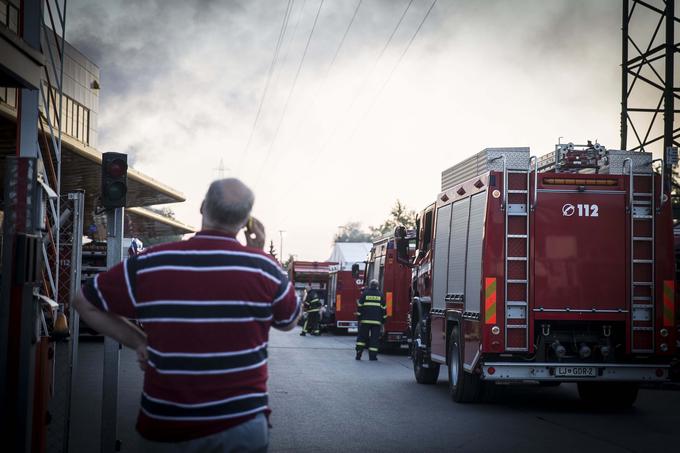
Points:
221	170
281	243
113	199
648	88
109	424
647	70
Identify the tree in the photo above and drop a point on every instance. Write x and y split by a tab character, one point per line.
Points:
286	264
400	215
352	232
272	250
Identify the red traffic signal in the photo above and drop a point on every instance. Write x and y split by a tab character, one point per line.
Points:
114	180
116	168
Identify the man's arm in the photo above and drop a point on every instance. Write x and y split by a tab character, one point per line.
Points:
291	326
360	305
111	325
286	307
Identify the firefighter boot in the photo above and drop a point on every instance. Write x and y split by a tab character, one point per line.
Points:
303	333
373	354
358	357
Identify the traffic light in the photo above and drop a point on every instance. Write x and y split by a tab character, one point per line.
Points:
114	180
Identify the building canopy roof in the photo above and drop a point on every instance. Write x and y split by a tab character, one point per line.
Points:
81	171
348	253
146	223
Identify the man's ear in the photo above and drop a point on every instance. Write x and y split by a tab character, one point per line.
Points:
201	209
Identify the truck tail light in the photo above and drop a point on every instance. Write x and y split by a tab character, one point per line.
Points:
491	370
659	372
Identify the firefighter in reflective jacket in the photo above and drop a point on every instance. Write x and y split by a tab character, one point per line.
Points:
372	315
312	306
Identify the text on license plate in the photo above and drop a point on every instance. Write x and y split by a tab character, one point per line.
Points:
576	371
352	329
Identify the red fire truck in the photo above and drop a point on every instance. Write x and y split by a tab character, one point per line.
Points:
564	274
394	276
346	279
306	275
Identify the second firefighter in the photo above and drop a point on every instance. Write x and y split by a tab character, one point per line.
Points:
312	306
372	315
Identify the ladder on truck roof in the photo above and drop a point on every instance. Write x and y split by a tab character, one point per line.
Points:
641	202
516	204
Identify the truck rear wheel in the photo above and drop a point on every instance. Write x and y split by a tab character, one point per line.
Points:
463	387
425	370
608	395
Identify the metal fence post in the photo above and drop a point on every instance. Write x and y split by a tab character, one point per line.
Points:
109	425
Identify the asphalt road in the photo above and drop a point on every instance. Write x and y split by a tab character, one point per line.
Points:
324	400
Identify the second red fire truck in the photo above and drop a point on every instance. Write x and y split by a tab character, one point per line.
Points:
394	276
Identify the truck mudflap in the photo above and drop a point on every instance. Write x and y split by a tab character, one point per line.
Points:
504	371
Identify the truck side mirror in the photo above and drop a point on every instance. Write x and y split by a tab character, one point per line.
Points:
355	270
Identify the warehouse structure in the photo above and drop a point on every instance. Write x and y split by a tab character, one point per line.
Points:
50	174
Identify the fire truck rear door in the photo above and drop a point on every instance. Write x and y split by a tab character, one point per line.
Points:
579	251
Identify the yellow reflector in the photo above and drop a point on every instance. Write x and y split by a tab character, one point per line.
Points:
668	303
338	302
388	299
490	300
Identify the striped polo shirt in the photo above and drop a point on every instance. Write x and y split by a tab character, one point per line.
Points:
206	305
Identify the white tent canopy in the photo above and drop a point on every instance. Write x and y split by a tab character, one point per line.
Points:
348	253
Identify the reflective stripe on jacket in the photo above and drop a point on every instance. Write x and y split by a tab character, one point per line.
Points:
312	305
371	307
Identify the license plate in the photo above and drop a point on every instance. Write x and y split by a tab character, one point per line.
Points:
352	330
575	371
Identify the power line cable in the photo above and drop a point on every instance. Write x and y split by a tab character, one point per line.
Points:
344	37
315	159
290	42
367	76
394	32
272	65
322	84
287	45
292	88
394	69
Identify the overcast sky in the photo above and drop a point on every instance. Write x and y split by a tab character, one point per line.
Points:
182	82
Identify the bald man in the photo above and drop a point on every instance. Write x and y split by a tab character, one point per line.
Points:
205	307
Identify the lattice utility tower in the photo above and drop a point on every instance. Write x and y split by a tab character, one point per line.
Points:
648	84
